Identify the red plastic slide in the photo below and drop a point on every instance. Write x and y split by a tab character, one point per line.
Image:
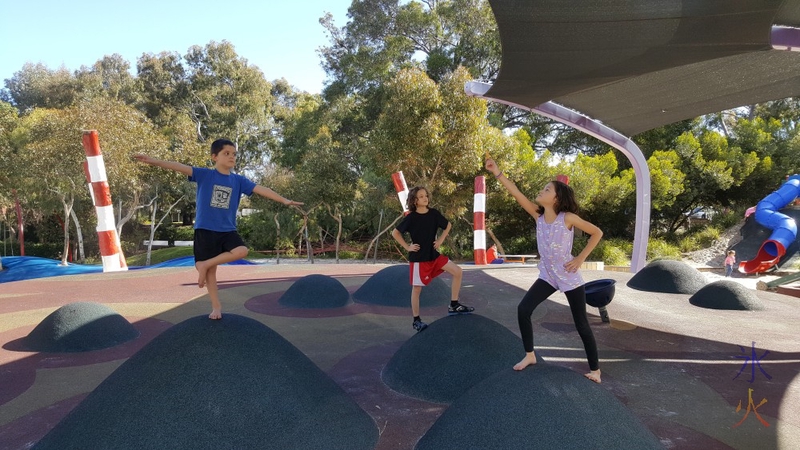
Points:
763	260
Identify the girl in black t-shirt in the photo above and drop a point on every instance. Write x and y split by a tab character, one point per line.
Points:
425	262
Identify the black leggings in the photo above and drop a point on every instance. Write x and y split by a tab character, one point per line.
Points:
577	304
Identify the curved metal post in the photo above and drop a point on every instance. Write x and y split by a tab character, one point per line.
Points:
785	38
609	136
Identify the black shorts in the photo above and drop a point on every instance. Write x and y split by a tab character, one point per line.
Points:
208	244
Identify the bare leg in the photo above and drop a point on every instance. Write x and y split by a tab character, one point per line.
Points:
528	360
415	291
222	258
454	270
213	293
593	375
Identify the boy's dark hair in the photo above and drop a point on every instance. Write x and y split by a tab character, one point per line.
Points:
565	199
217	145
411	201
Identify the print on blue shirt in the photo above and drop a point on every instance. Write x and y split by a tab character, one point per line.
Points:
221	198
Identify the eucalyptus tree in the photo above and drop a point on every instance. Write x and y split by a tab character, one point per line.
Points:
229	98
37	86
52	156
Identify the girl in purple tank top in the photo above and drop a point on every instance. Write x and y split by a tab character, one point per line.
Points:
555	212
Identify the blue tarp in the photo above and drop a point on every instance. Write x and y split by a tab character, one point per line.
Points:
17	268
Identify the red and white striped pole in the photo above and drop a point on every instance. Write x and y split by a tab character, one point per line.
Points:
402	190
95	169
479	221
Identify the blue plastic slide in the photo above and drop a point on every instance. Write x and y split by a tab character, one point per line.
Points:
784	228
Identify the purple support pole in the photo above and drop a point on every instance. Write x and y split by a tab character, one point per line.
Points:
786	38
610	137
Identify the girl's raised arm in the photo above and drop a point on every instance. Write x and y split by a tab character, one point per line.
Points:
529	206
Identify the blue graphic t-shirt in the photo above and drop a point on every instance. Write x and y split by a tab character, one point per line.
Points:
218	198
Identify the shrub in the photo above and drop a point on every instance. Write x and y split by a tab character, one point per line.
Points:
661	249
688	244
613	252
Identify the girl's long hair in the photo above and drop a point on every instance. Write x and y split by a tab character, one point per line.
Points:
565	199
411	201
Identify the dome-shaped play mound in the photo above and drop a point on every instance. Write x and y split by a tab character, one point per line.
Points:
668	276
230	383
315	291
450	356
79	327
726	294
390	287
540	407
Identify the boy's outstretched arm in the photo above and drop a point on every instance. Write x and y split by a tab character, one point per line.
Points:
272	195
171	165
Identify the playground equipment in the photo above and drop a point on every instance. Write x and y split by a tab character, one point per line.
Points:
479	221
599	294
765	286
95	169
784	228
402	190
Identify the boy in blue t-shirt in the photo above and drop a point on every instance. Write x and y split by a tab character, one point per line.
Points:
218	191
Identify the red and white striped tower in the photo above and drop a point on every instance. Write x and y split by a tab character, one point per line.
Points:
95	169
402	190
479	221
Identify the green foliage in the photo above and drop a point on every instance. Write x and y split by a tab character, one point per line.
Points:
159	255
689	243
612	252
699	238
394	101
174	233
661	249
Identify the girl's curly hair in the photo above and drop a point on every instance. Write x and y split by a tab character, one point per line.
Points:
411	201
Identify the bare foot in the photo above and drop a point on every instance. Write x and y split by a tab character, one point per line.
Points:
216	314
528	360
202	271
594	375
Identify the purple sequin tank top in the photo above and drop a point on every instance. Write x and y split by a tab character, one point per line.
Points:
554	242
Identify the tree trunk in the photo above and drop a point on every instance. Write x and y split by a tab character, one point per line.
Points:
78	236
496	241
154	206
308	242
160	221
135	206
375	239
337	216
67	210
338	233
277	239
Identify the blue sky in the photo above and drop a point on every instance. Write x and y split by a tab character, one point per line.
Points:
280	37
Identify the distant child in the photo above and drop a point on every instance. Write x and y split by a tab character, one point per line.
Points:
491	255
218	191
556	219
425	262
730	260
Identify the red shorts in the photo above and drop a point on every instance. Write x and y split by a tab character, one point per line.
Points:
421	273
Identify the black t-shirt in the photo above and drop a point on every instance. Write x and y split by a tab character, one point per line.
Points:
423	228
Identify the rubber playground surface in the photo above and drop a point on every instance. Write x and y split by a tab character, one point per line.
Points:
694	377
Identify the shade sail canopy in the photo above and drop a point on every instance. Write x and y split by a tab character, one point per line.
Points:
635	65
